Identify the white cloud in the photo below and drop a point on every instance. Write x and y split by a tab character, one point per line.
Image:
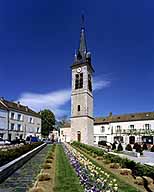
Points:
52	100
55	100
99	84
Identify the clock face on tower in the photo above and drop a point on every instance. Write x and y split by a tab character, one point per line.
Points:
78	70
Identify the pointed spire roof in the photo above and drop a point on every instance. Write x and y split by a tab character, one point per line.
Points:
82	56
82	46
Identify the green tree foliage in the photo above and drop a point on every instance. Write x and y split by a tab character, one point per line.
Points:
48	121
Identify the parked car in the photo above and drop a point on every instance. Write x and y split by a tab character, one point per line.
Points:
47	141
104	143
31	139
4	142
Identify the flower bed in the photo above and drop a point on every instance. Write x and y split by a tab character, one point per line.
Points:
89	149
137	168
11	154
92	177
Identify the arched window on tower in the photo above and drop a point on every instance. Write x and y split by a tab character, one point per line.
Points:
79	81
76	81
89	83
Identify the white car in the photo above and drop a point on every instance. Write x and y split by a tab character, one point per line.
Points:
4	142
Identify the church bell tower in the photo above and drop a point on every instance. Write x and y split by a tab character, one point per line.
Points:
82	120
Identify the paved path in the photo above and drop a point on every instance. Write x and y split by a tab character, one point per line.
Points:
23	178
147	158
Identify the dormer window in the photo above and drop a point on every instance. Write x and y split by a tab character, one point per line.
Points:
102	129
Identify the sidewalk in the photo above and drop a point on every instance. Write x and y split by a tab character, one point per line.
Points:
147	158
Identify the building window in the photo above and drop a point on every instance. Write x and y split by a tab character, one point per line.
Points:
19	127
132	127
118	139
79	81
147	126
94	139
102	138
38	130
89	83
102	129
61	132
12	126
30	120
78	107
19	117
118	129
12	115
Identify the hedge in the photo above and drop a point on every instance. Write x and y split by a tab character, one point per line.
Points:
11	154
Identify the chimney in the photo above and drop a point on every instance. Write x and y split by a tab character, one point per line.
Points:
110	114
27	108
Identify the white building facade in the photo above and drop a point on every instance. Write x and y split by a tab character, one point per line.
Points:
3	121
18	121
127	128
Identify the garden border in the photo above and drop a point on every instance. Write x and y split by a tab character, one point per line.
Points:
7	169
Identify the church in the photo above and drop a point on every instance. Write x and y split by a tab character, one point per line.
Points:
83	127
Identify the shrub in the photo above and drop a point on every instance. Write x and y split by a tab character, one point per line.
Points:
129	147
114	146
37	189
148	180
48	161
135	145
44	177
11	154
88	149
128	164
103	143
145	146
152	148
125	171
114	165
139	181
120	148
139	149
47	166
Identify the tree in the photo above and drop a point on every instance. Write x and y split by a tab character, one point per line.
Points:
114	146
129	147
48	121
120	148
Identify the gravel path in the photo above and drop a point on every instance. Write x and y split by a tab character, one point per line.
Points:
23	178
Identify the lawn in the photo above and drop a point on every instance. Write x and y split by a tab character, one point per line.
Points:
65	178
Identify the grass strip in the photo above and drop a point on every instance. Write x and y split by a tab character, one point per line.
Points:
123	186
65	178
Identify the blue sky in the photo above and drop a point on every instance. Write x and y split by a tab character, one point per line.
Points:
37	43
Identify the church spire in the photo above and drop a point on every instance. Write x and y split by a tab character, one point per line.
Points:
82	46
